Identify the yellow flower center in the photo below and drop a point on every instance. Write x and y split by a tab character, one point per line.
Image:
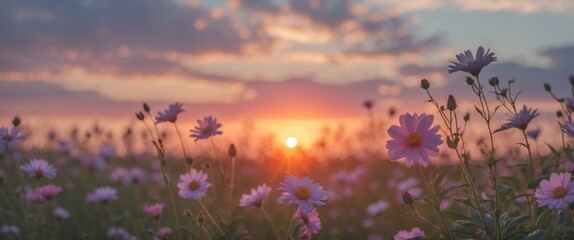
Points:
559	192
303	192
39	173
413	140
206	130
194	185
8	137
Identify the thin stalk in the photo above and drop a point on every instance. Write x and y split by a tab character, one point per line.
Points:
290	224
211	218
437	205
426	221
230	187
182	146
527	145
487	117
270	222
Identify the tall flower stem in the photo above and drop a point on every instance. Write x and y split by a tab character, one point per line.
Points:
290	224
527	146
426	221
467	171
211	218
270	222
487	116
437	204
182	147
230	188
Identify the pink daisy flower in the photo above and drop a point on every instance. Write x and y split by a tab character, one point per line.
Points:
155	210
193	184
255	199
165	231
414	139
406	235
39	168
206	128
169	115
521	119
48	191
35	197
558	192
310	222
103	195
467	62
303	192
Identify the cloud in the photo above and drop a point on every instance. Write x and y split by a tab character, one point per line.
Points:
38	35
531	6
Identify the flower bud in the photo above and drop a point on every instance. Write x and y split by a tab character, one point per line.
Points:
189	160
140	116
547	87
201	218
425	84
469	81
466	117
187	213
408	198
451	103
232	151
493	81
368	104
16	121
146	107
559	114
392	111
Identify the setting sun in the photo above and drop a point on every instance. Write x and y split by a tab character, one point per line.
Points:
291	142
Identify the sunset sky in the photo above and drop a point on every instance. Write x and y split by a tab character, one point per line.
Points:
269	59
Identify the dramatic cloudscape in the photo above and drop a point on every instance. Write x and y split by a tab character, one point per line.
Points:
269	59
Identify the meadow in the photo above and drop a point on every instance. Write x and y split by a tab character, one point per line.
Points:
401	176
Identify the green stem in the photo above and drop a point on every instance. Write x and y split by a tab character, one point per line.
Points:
437	204
182	146
211	218
270	222
424	219
290	224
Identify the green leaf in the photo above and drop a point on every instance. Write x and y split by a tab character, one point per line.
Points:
440	173
513	224
537	235
544	218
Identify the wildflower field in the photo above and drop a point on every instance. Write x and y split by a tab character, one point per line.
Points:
417	175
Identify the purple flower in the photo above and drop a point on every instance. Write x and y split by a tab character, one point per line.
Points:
8	136
206	128
303	192
39	168
467	62
255	199
310	222
103	195
414	139
406	235
61	213
521	119
169	115
558	192
193	184
568	128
